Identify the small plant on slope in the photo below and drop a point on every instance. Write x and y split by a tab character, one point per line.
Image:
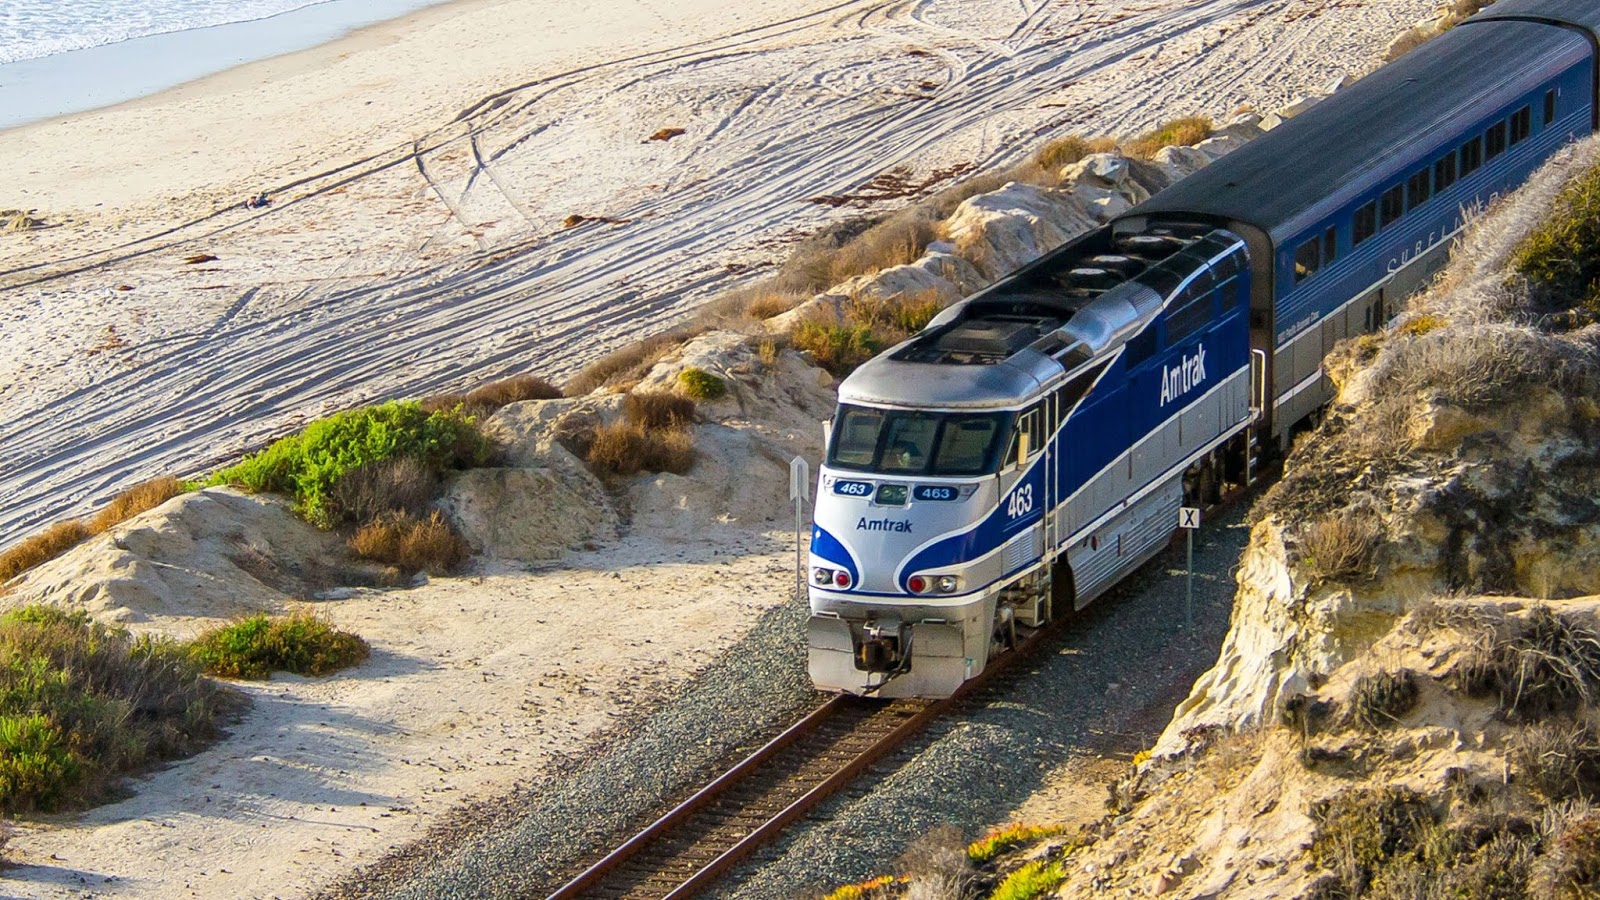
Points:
702	385
256	647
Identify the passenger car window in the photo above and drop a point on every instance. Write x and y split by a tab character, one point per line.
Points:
1471	156
1444	172
1417	189
1307	259
1366	223
1494	140
1521	125
1330	245
1390	206
1549	107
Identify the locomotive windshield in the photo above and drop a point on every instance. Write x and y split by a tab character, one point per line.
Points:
909	442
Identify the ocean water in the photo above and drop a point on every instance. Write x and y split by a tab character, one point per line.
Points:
67	56
30	29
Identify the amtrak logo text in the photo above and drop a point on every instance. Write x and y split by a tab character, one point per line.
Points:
1184	377
882	525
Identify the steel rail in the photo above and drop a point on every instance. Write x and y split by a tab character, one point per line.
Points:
594	876
699	800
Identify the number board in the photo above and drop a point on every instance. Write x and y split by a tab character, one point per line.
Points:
853	488
936	492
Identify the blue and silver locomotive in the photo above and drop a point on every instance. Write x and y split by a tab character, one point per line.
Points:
1033	444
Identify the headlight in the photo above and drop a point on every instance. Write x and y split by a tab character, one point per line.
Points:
948	584
822	576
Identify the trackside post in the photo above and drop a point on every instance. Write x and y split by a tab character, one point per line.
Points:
799	492
1189	520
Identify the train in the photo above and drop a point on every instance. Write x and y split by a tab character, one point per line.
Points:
1034	443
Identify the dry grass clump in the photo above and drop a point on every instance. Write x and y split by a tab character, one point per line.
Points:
140	498
1067	150
1358	831
768	304
490	398
628	448
63	536
1559	758
82	703
41	548
300	642
937	865
1538	665
658	409
16	221
403	484
1179	132
412	543
1341	545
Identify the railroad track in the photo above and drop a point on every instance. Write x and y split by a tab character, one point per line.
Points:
705	836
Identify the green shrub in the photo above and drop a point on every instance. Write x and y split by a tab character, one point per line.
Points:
308	465
702	385
1032	880
300	642
1561	258
81	703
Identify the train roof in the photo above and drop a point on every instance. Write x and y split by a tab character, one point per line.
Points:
1367	133
1584	14
1061	313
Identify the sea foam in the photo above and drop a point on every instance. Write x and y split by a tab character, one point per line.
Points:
30	29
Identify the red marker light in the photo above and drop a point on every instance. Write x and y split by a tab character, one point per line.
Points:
841	578
918	584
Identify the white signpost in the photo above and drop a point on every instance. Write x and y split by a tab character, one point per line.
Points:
799	492
1189	520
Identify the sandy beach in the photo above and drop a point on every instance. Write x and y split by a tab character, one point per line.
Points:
423	172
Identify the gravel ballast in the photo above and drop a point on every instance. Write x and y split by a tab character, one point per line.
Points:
1108	685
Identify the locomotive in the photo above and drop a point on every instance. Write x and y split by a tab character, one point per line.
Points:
1033	444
